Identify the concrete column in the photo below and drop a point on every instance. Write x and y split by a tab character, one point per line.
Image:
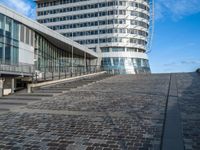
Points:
12	85
99	59
1	87
72	59
85	61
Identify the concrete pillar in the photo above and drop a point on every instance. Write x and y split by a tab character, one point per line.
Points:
12	85
85	61
72	58
1	87
99	59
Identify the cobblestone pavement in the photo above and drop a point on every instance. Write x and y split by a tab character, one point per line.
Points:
189	101
121	112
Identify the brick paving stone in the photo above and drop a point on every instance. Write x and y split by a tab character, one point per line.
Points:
121	112
189	102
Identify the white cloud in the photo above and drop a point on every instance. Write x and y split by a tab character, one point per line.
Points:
24	7
190	62
186	61
176	8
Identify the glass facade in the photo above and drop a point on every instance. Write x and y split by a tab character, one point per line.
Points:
22	46
124	65
51	58
9	41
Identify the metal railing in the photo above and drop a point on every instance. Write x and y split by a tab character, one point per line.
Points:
63	72
16	69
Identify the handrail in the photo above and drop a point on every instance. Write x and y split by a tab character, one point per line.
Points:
35	85
27	69
59	72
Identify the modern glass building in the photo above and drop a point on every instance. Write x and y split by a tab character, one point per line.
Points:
28	48
26	43
119	29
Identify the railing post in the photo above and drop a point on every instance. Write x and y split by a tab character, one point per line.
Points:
75	72
36	77
59	70
29	90
13	85
44	73
65	73
1	86
52	75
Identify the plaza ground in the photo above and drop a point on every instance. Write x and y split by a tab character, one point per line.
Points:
136	112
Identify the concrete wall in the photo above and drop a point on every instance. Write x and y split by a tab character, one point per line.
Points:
1	87
9	85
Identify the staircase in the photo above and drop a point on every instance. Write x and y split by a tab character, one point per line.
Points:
23	98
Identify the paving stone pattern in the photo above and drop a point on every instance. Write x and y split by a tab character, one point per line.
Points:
121	112
22	98
189	101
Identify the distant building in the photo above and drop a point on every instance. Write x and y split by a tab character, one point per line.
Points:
117	28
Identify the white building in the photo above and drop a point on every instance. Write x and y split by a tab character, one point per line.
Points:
117	28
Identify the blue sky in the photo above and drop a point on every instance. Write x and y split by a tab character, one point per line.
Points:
176	41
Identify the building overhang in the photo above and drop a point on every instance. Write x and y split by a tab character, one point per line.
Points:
42	0
52	36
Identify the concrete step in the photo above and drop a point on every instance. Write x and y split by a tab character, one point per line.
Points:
67	85
35	94
74	85
6	107
48	91
58	88
14	102
21	98
54	88
3	111
76	82
90	80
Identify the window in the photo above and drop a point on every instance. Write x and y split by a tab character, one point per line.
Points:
27	36
8	54
1	38
134	62
118	49
133	41
122	12
22	33
1	52
8	24
32	38
15	30
106	61
122	61
1	22
138	61
105	49
15	55
116	61
130	49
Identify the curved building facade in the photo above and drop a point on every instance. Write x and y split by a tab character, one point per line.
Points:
118	29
